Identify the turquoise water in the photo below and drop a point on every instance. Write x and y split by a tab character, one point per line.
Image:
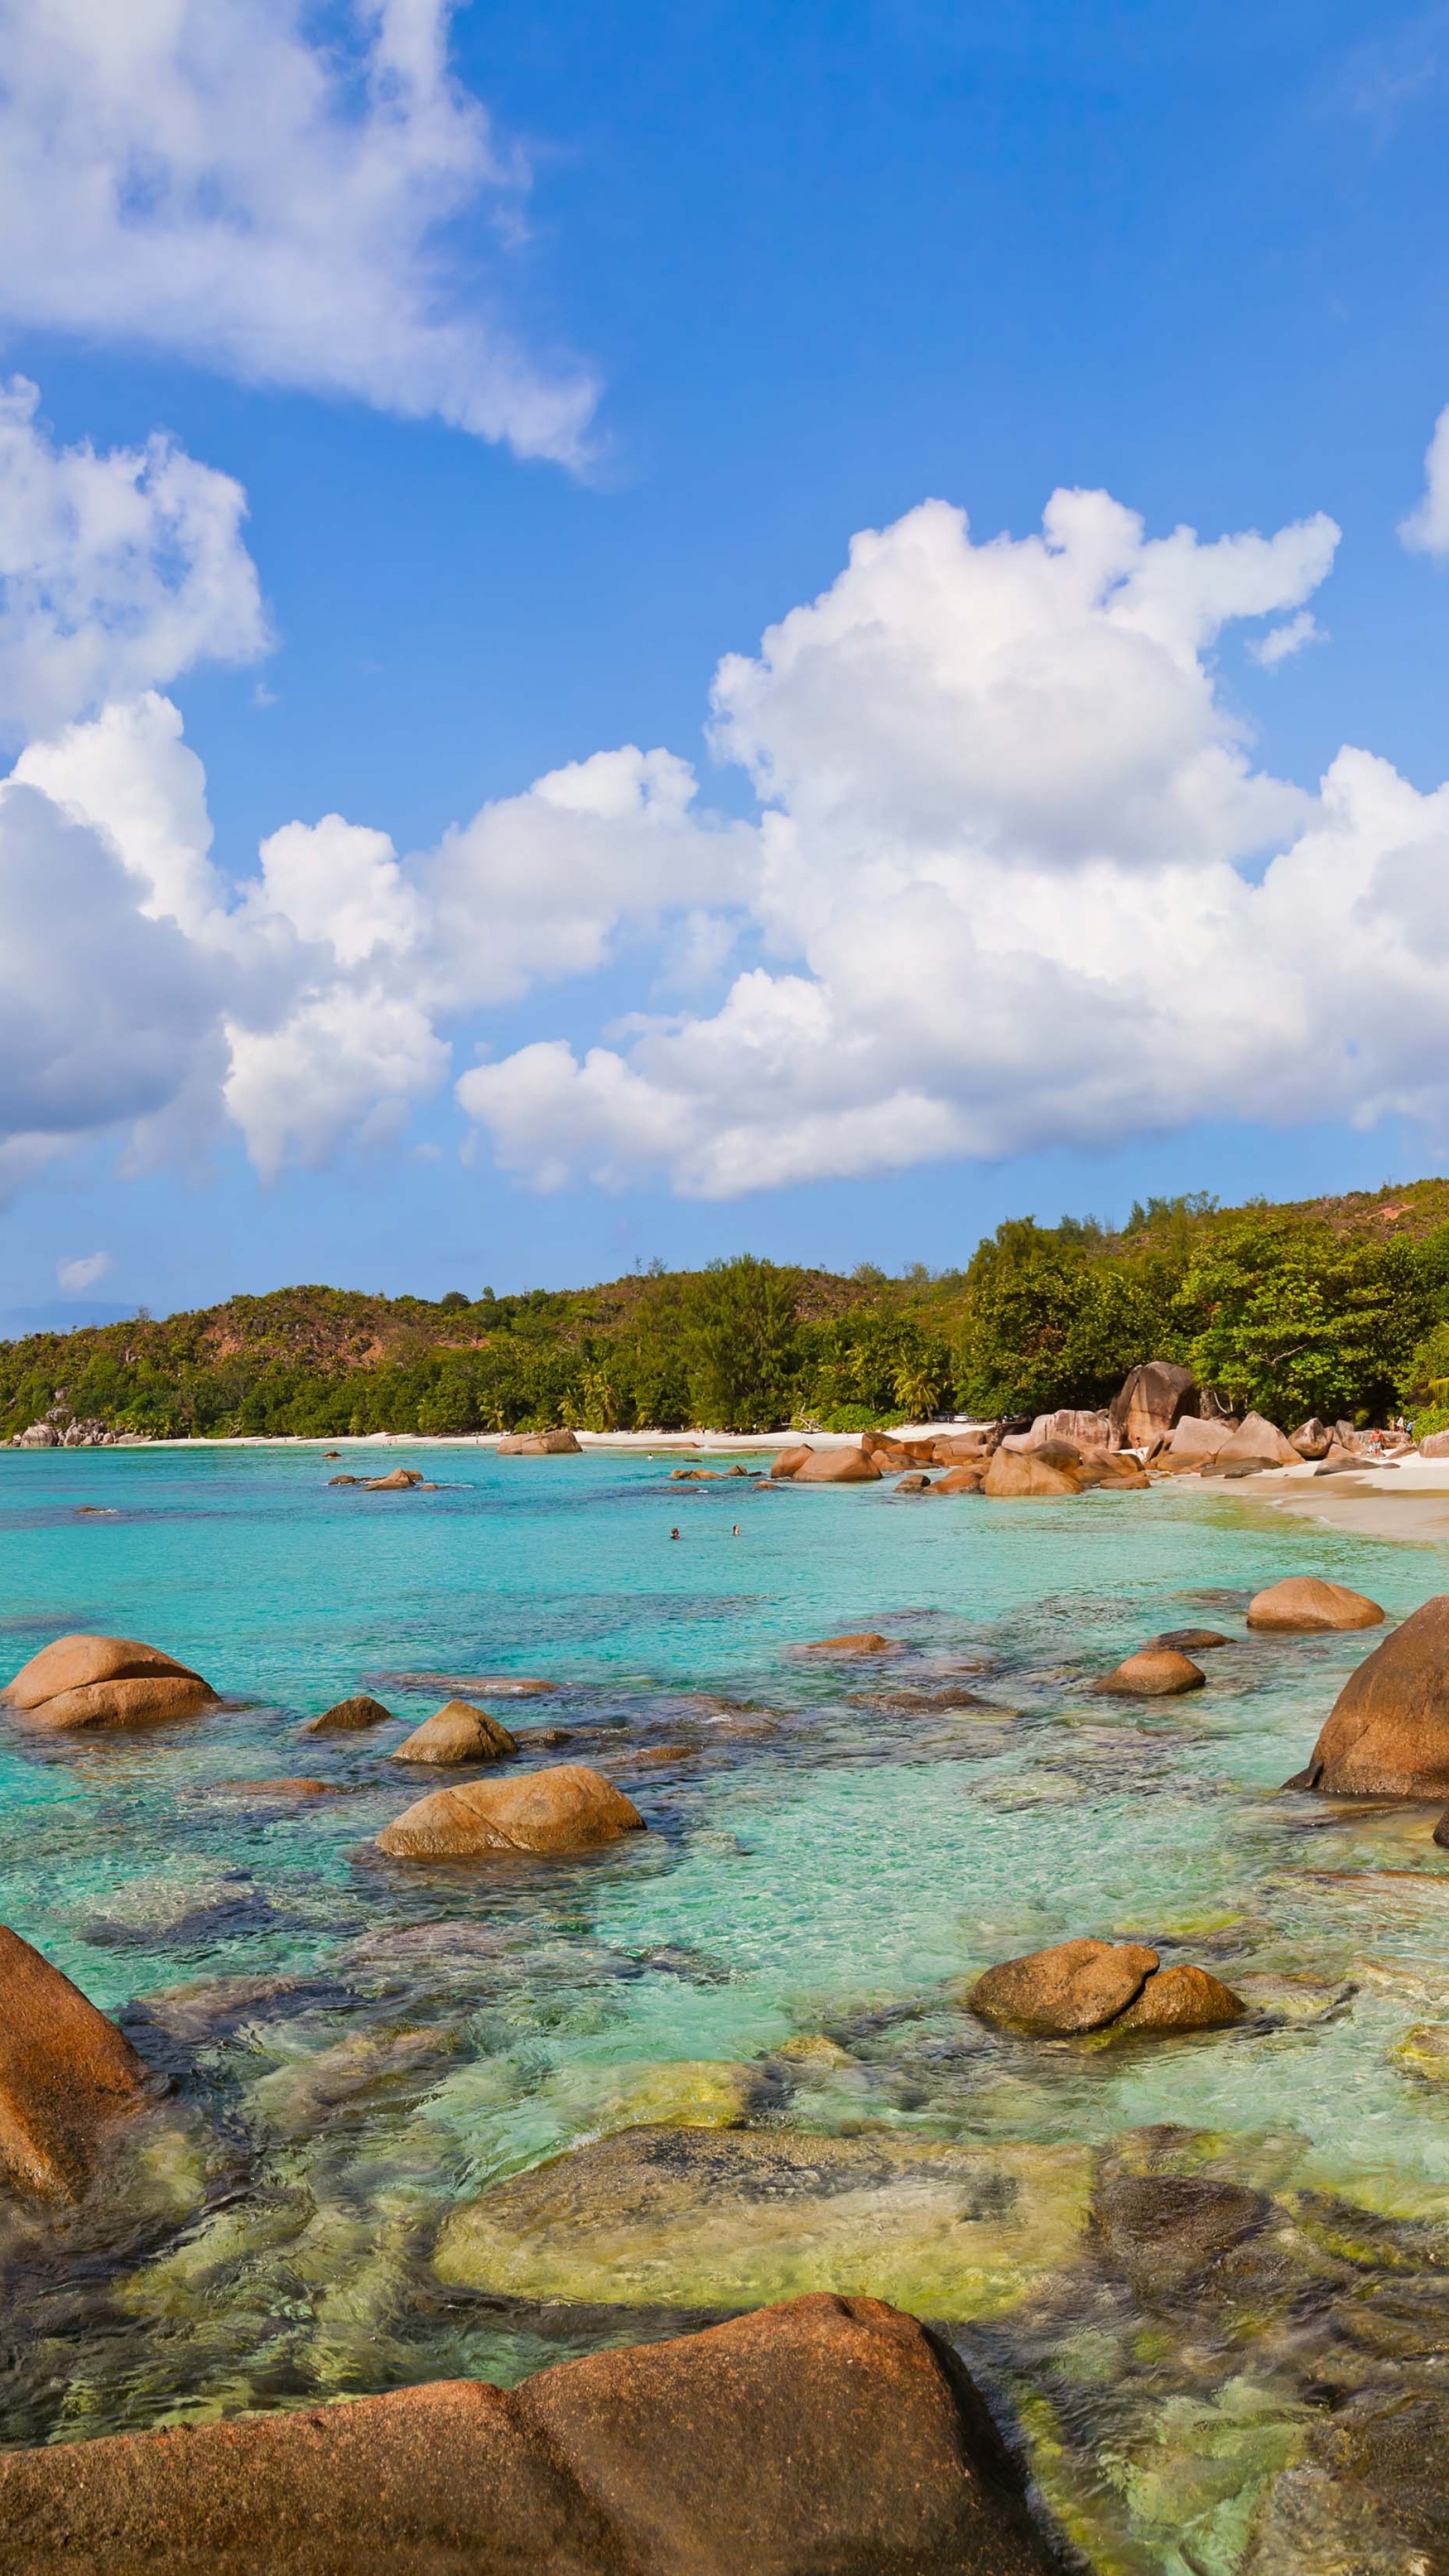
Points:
355	2044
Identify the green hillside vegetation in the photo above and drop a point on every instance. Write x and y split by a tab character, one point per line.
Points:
1335	1307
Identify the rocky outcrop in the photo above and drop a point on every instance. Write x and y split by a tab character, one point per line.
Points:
66	2077
1388	1733
1304	1606
81	1683
566	1808
1082	1986
455	1734
822	2434
858	1641
539	1444
1025	1475
837	1467
790	1461
1087	1430
349	1717
1151	1402
1075	1986
1158	1672
963	1448
967	1478
401	1481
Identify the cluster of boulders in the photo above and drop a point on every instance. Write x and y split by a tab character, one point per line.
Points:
402	1480
62	1429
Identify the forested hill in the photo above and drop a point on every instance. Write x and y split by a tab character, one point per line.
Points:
1332	1306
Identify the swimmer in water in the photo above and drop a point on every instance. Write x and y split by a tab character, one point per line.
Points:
674	1533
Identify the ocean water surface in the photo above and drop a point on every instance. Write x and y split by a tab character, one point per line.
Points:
359	2048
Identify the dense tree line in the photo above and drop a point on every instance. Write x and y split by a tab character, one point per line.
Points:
1335	1308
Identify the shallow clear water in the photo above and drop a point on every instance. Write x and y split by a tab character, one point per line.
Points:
828	1854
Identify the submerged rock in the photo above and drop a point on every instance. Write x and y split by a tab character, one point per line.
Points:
349	1717
967	1477
822	2434
1304	1606
455	1734
1157	1672
566	1808
66	2076
1388	1732
1074	1986
736	2217
862	1641
82	1683
1186	1641
1164	2230
1425	2051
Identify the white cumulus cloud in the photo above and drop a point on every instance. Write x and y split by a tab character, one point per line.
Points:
86	1270
1426	529
276	195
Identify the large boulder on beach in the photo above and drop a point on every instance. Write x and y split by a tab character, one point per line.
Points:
349	1716
1304	1606
1151	1402
457	1733
961	1448
66	2077
1195	1439
566	1808
826	2433
539	1444
1387	1735
82	1684
1156	1672
1074	1986
1024	1475
1257	1442
1312	1439
837	1467
1087	1430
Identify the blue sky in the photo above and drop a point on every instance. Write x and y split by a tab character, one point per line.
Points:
818	265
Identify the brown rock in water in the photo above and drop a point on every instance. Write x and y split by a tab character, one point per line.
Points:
344	1480
539	1444
1388	1733
1152	1401
790	1461
66	2075
1303	1606
964	1479
914	1483
76	1662
1020	1475
401	1481
1158	1672
1186	1641
278	1788
1164	2230
1182	1999
863	1641
457	1733
820	2438
349	1717
103	1706
837	1467
1075	1986
565	1808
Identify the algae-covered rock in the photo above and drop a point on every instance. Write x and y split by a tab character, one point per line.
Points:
738	2217
1425	2051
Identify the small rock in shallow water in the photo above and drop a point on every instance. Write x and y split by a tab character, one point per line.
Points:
1184	1998
864	1641
1155	1673
349	1717
278	1788
456	1734
1425	2051
1186	1641
1075	1986
566	1808
1303	1606
1164	2230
